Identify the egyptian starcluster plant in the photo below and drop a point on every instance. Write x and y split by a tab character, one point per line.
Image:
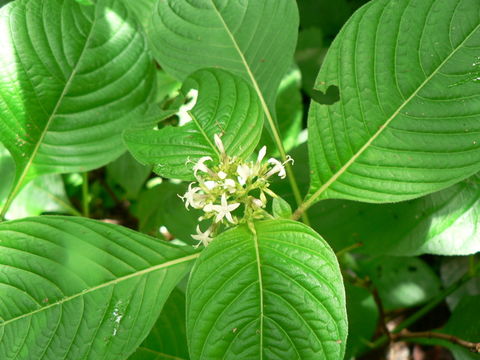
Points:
225	187
151	207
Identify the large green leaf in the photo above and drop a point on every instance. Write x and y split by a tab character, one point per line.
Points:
451	271
74	288
463	324
402	281
226	104
142	10
272	291
252	38
71	77
179	221
48	192
289	108
168	338
408	119
362	319
443	223
326	15
129	174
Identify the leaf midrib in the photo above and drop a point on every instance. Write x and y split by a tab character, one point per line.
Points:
260	284
256	87
352	160
104	285
26	169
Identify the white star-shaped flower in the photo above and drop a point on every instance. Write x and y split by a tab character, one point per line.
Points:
223	210
191	197
200	165
244	172
261	154
277	168
203	237
210	184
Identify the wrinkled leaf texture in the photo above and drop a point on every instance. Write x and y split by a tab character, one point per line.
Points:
274	292
74	288
408	120
71	78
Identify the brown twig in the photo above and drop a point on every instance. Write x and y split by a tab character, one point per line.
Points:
406	335
381	313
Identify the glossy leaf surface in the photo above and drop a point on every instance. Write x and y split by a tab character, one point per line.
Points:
443	223
407	122
254	39
47	190
69	85
74	288
273	291
226	104
168	338
402	281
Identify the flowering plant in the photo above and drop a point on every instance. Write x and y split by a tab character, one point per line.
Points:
223	188
146	190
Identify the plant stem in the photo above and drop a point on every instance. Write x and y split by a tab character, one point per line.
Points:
407	335
427	308
85	196
275	133
348	249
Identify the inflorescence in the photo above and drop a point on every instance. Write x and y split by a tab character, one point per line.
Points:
223	190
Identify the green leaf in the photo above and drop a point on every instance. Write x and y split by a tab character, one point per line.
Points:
281	208
464	324
128	173
4	2
48	192
451	270
179	221
168	338
254	39
289	108
142	9
443	223
408	120
74	288
402	281
327	15
362	319
271	291
226	104
69	85
309	55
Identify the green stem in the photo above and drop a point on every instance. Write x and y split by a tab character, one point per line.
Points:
427	308
275	133
348	249
85	196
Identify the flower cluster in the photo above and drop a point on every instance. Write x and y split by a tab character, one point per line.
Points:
223	190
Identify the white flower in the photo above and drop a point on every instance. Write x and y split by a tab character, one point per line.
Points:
230	185
244	172
277	168
258	203
210	184
222	175
219	143
203	237
222	210
200	165
191	197
261	154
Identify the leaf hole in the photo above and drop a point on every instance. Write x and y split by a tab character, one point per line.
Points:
330	97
